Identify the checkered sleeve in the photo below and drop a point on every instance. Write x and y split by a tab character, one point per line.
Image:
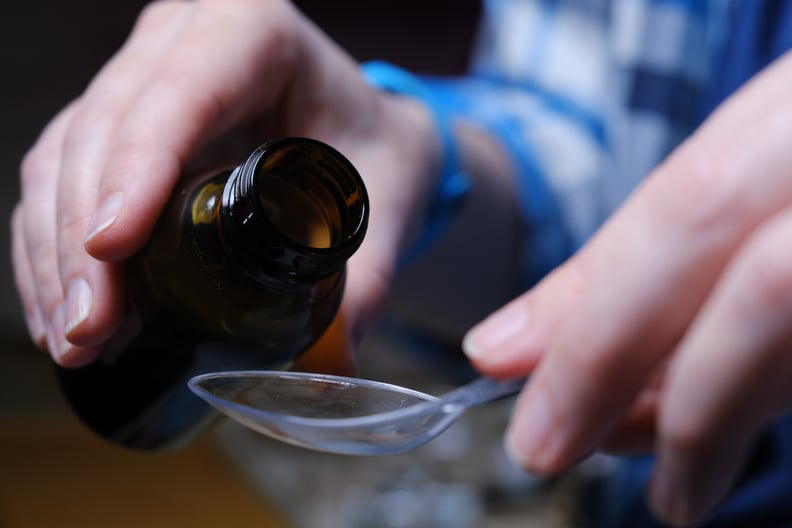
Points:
586	96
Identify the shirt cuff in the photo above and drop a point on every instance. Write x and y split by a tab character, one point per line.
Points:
452	184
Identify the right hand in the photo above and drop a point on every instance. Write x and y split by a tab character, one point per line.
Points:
194	75
671	329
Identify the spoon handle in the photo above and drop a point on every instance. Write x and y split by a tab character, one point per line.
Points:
484	390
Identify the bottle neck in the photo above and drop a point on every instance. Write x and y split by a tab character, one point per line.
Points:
295	211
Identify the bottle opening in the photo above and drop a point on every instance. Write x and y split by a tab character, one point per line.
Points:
299	215
296	208
308	195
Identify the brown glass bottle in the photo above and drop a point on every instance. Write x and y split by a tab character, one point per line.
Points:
244	270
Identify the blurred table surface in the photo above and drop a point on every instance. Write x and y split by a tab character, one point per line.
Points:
53	472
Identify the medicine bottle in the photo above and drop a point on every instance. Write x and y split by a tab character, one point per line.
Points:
244	270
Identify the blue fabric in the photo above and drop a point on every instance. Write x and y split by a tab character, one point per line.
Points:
452	184
587	96
761	499
760	31
547	243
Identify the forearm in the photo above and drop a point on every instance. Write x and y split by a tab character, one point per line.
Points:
474	267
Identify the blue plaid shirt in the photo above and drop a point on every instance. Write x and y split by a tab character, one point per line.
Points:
589	96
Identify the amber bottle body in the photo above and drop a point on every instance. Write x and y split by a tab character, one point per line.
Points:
245	270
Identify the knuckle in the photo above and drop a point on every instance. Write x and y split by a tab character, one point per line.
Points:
768	266
41	255
19	258
605	379
586	341
700	193
96	115
17	221
593	364
75	131
49	288
686	437
36	162
42	160
156	14
71	227
590	348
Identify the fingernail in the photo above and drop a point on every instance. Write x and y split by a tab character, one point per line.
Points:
495	332
52	343
527	441
669	500
105	215
79	299
56	341
35	322
665	503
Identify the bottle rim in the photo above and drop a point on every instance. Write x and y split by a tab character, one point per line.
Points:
282	254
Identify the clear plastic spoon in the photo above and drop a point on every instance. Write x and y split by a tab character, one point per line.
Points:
338	414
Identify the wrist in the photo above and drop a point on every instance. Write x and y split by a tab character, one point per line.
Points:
444	185
420	152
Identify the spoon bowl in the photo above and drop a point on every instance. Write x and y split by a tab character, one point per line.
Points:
340	414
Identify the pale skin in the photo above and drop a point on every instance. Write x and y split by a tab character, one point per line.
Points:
669	331
672	329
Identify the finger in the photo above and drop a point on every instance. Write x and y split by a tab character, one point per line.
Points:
512	340
636	432
188	103
644	276
23	277
580	326
535	316
94	290
39	171
730	377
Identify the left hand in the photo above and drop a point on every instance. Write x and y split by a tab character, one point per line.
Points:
672	328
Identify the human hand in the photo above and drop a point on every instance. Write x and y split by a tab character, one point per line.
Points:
672	328
194	78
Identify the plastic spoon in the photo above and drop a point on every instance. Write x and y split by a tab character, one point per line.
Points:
339	414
